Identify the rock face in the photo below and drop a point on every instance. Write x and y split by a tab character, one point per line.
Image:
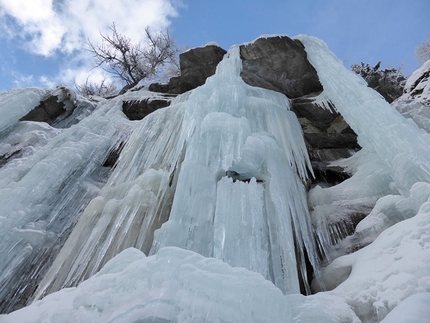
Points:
58	103
279	64
196	66
137	110
327	135
328	138
47	111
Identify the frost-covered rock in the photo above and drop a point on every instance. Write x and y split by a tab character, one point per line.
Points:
388	82
418	85
415	102
60	101
16	103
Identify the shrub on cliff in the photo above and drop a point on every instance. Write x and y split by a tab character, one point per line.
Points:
389	82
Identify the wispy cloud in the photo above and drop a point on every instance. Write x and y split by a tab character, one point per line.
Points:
21	80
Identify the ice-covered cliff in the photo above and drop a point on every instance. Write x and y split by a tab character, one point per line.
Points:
218	190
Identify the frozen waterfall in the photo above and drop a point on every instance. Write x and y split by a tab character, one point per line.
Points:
205	216
224	165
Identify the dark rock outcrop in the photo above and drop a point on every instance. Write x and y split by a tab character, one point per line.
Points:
60	101
279	64
305	107
196	65
327	136
137	110
47	111
114	154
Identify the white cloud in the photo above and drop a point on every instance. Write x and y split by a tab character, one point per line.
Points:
65	25
28	11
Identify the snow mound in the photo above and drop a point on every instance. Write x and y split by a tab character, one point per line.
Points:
178	286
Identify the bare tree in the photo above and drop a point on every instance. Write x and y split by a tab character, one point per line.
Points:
104	88
134	62
422	52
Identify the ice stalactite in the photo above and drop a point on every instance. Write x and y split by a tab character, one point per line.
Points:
134	202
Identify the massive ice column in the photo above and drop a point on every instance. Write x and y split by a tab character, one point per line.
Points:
240	195
232	157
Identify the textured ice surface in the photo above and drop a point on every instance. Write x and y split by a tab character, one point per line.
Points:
177	285
136	198
49	177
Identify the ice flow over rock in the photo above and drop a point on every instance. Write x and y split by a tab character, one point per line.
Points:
234	158
218	176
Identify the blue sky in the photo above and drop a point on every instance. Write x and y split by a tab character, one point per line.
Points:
43	41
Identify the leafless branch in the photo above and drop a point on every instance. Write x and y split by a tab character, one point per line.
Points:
133	62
